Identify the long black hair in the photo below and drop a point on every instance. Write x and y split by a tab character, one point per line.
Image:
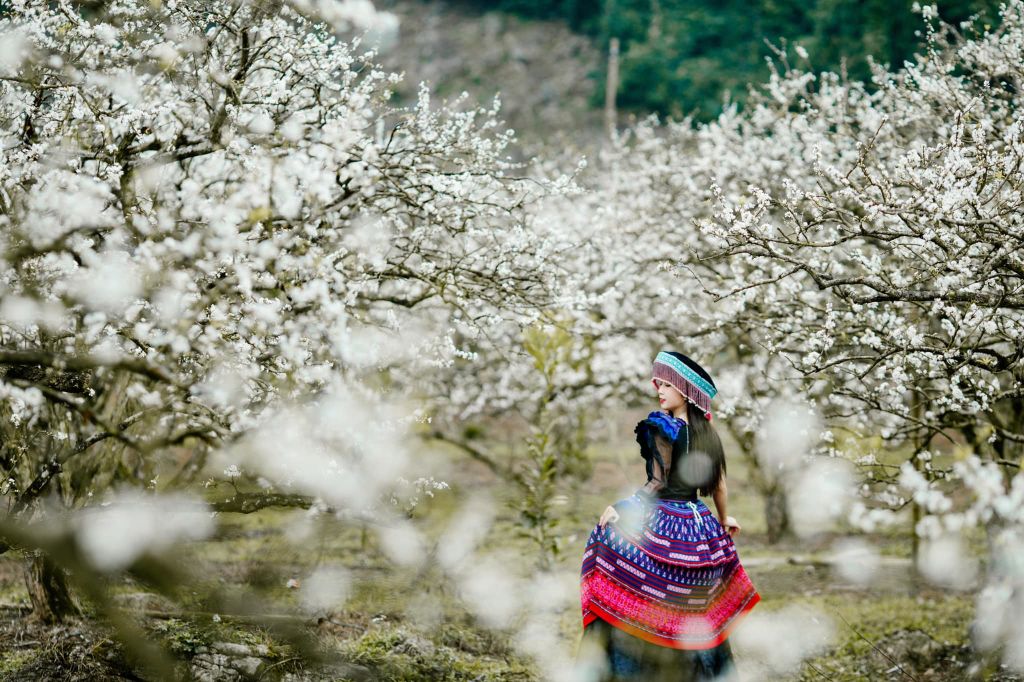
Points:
698	459
704	439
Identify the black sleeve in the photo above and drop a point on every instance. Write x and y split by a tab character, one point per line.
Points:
646	436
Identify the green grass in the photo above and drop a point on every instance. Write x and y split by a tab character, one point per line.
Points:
13	661
403	655
865	624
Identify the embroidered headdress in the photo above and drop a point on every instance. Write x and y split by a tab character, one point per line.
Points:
687	377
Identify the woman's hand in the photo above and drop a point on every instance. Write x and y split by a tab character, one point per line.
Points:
609	515
730	525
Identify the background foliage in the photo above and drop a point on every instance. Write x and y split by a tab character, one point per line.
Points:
680	57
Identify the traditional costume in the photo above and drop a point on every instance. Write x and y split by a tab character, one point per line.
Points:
662	586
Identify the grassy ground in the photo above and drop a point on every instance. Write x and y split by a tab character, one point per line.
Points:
423	622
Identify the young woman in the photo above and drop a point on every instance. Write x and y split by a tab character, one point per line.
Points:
662	586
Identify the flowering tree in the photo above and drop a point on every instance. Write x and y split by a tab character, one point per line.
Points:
640	278
853	245
662	177
909	240
892	244
860	246
813	219
209	211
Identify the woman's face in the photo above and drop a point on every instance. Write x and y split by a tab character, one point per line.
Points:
668	397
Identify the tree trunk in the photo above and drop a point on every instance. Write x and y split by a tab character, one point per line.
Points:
612	87
49	591
776	513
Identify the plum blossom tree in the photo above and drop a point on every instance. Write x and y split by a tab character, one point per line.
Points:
909	239
892	245
860	246
638	280
851	245
661	179
210	212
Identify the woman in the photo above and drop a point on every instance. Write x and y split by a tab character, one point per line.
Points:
662	586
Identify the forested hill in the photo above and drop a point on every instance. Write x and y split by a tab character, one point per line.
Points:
681	56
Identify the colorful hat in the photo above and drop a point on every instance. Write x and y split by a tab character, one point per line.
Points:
687	377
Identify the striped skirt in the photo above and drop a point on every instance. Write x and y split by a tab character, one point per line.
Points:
666	572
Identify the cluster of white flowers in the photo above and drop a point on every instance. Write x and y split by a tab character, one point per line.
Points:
210	209
131	524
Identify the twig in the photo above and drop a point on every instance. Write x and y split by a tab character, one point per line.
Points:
277	665
817	670
875	647
255	618
247	503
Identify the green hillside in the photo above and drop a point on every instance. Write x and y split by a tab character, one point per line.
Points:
682	56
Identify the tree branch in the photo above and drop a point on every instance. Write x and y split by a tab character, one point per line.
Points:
247	503
475	453
72	362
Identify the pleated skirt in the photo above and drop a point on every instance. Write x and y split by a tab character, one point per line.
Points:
666	573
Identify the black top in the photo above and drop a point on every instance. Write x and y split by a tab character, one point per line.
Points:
682	493
665	446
